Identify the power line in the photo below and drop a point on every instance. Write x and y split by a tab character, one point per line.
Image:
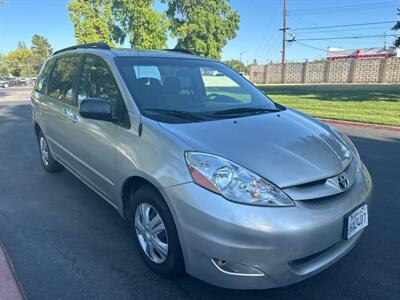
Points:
309	46
342	9
343	38
344	25
364	5
343	31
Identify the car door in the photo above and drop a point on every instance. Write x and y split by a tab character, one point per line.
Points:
58	100
94	141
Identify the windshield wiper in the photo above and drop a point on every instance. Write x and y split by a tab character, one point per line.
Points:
187	115
245	110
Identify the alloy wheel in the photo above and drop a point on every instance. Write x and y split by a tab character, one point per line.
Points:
44	151
151	233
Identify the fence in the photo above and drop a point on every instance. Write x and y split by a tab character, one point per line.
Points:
376	70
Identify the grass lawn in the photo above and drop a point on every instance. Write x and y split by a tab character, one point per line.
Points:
379	104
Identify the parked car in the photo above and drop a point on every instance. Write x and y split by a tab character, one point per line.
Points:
5	83
21	81
217	180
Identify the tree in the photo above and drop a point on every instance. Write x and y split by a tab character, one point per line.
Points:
112	21
144	27
3	67
237	65
21	45
93	20
41	46
397	27
202	26
19	62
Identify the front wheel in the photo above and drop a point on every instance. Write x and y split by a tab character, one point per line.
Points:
155	233
47	159
6	85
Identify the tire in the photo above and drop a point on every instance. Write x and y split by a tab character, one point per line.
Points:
48	161
5	85
148	197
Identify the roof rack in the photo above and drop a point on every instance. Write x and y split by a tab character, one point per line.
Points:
180	50
97	45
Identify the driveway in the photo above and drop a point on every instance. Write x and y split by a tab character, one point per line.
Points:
65	242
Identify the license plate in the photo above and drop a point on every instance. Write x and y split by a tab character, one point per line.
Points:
355	221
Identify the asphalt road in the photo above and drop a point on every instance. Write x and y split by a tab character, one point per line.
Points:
67	243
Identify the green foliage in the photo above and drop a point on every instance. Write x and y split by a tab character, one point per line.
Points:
41	50
41	46
112	21
3	67
202	26
25	62
144	27
19	62
397	27
237	65
21	45
93	20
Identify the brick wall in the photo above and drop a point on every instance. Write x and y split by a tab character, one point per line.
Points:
367	71
392	73
273	73
294	72
375	70
340	71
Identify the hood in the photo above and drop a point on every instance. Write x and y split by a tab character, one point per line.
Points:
286	148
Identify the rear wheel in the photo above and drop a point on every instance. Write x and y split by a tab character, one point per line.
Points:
6	85
47	159
155	233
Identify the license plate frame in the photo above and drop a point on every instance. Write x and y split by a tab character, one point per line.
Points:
348	235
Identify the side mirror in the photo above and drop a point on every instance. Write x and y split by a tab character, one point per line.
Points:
97	109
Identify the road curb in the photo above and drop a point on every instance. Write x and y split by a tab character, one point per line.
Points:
10	288
359	124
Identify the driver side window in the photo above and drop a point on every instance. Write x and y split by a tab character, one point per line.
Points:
97	81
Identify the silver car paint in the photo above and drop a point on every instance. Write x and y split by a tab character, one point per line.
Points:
289	149
283	147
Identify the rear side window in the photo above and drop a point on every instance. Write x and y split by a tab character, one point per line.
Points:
62	79
42	80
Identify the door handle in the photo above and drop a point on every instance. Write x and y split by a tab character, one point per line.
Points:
73	117
66	113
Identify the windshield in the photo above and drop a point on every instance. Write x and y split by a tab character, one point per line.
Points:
190	90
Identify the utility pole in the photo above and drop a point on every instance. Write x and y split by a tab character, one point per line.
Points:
284	33
384	47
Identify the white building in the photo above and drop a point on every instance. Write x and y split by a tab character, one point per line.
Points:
339	53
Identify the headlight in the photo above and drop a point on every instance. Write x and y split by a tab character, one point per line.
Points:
233	182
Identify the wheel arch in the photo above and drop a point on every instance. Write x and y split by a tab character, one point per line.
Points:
37	129
131	185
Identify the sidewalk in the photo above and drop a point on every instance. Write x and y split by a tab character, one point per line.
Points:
9	287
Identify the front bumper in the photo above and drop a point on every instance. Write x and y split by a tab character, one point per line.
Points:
288	244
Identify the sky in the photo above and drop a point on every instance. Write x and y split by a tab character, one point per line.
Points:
258	37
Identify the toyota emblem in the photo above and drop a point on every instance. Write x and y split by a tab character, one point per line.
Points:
343	182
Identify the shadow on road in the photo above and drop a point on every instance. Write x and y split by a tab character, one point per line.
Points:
66	242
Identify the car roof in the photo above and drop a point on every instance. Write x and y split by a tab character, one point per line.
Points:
129	52
154	53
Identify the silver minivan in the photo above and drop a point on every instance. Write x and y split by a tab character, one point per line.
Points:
214	177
